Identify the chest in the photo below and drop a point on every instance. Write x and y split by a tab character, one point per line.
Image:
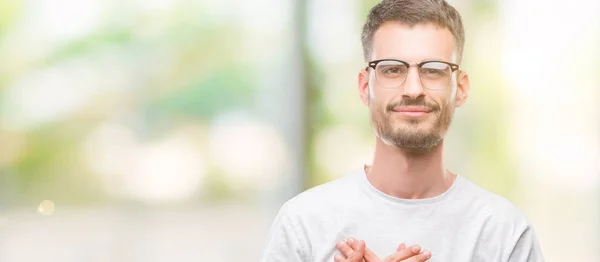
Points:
449	238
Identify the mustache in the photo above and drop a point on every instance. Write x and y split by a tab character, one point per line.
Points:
412	102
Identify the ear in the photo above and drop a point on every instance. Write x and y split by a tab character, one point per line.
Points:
462	91
363	86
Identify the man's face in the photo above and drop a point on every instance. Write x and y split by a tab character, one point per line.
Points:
412	116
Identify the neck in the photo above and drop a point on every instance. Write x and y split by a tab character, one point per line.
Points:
403	174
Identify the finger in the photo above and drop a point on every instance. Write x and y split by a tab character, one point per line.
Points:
359	251
423	256
401	246
404	254
356	244
339	258
344	248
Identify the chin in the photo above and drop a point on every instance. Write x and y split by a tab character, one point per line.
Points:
413	124
424	119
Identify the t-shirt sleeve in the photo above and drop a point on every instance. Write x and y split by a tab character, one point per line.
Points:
283	243
527	248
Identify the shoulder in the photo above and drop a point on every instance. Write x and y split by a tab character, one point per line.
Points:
497	210
325	197
324	202
502	223
311	212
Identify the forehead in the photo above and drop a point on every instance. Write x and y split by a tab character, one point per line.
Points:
413	43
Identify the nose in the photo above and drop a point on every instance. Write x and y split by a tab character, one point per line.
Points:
413	87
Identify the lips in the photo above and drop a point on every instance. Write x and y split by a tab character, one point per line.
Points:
412	112
412	109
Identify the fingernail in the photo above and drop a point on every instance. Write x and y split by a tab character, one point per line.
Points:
402	246
338	256
350	240
427	254
416	249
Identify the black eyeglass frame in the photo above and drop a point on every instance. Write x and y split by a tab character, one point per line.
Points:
373	64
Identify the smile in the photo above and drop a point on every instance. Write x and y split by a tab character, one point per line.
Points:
412	111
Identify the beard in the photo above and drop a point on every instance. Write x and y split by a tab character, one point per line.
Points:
416	136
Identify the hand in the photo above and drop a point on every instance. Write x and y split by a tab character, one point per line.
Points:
353	249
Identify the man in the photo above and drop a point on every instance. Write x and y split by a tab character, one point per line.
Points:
406	206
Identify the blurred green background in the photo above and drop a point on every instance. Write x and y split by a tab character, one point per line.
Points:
172	130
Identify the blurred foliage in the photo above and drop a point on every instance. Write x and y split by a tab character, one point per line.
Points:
51	167
88	44
491	165
225	88
9	9
204	78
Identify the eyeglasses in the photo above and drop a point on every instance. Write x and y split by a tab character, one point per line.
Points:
392	73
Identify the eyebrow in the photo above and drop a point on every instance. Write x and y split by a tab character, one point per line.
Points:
420	61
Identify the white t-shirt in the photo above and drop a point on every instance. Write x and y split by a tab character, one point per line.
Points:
465	223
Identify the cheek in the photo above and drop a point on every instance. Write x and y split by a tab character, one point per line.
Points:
447	108
444	99
453	92
376	98
378	110
377	107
